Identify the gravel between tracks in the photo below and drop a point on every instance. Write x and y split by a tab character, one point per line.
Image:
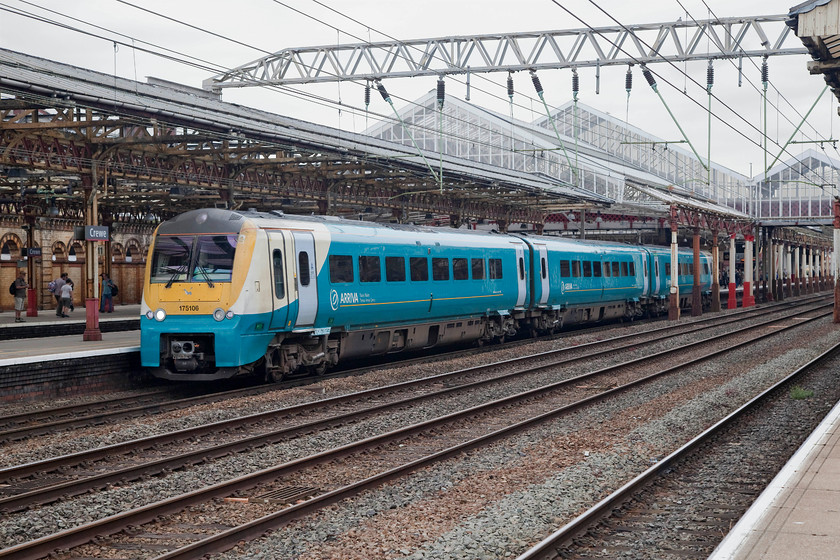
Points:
489	503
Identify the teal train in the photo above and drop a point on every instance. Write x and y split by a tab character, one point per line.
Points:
232	293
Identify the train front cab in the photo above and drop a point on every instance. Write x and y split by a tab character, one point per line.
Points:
201	319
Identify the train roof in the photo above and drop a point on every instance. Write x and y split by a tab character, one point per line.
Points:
221	221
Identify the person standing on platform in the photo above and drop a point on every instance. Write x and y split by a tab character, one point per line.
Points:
73	288
106	305
59	283
20	295
66	297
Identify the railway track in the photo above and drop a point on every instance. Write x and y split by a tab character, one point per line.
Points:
25	425
56	478
683	506
408	449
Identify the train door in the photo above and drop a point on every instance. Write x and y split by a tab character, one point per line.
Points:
306	278
657	282
277	251
542	267
520	275
645	273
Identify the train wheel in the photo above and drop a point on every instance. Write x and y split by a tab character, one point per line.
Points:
319	369
274	375
273	366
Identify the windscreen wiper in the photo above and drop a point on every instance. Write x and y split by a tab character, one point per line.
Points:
204	273
180	270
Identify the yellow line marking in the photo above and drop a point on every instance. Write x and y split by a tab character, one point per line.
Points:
416	300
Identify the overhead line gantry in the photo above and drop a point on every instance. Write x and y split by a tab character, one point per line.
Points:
723	38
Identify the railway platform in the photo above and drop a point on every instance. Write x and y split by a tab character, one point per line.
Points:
46	355
798	514
46	324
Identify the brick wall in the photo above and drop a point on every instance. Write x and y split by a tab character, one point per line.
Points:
67	378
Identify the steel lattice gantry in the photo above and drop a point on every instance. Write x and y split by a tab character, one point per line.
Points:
152	148
633	44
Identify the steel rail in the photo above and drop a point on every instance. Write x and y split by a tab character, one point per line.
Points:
54	492
138	516
99	418
74	487
48	465
257	528
545	549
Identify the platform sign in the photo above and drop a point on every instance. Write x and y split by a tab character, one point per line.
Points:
33	252
96	233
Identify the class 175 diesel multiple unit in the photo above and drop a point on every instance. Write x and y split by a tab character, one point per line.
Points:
230	293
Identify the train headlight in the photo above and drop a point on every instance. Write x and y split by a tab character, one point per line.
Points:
219	314
229	314
150	314
160	314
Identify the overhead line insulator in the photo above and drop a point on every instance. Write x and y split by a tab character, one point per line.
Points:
441	92
765	73
575	83
537	84
628	79
710	76
383	92
367	95
649	76
510	86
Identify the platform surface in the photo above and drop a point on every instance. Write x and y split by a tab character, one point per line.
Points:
61	346
798	514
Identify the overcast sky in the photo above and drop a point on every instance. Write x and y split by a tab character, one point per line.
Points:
243	31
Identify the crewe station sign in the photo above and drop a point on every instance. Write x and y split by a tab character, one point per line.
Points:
92	233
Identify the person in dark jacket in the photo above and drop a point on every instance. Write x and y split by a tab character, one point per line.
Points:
20	295
106	304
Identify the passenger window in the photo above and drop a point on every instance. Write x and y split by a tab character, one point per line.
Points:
624	269
279	284
646	269
543	267
668	269
341	269
440	269
705	268
632	267
395	269
576	269
616	269
495	266
607	268
419	269
587	269
521	268
478	269
369	270
596	269
460	270
303	268
565	272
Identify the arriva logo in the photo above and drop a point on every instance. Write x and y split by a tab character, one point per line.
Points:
346	298
187	292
